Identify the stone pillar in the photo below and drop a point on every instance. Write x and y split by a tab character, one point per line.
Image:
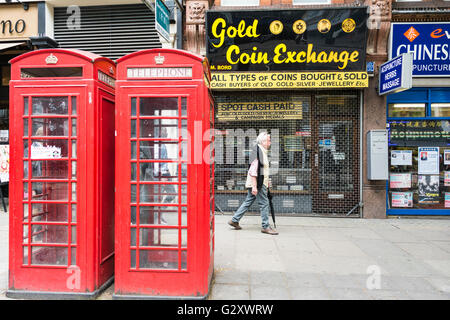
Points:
374	192
195	36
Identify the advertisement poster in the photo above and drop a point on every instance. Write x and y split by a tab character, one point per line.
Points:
401	157
400	180
447	156
447	178
402	199
4	163
428	160
429	189
447	199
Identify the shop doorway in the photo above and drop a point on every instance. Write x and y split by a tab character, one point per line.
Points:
335	146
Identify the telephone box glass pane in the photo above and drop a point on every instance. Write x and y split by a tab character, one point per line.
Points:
157	150
158	193
158	237
49	190
73	256
50	212
49	169
49	234
49	105
74	127
50	127
25	106
158	171
183	107
158	215
133	107
25	212
158	259
74	105
25	127
158	128
49	255
158	107
43	149
25	169
133	128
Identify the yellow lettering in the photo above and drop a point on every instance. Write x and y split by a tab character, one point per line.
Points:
310	55
343	57
354	56
322	57
299	55
220	35
281	47
251	31
333	56
230	51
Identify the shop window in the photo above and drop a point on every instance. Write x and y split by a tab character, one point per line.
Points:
440	109
406	110
419	151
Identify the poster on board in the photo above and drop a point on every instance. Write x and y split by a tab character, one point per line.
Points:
402	199
447	156
447	199
447	178
400	180
401	157
4	163
428	189
428	160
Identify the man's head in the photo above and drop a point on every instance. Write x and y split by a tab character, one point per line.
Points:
263	139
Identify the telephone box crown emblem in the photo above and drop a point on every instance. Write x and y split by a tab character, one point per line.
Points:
51	59
159	59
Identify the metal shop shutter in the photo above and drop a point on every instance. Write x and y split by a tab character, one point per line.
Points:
110	31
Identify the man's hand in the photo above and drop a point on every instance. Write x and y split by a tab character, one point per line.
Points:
254	191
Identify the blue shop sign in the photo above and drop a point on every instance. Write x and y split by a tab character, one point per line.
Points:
430	44
395	75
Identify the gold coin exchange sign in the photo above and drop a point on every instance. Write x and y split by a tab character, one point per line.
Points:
245	111
288	80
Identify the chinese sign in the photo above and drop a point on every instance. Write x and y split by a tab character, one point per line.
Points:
428	133
430	44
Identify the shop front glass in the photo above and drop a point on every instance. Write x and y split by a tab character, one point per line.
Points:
419	149
314	154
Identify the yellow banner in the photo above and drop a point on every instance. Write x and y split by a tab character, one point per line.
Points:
288	80
245	111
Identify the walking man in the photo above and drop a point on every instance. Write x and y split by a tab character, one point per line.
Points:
257	185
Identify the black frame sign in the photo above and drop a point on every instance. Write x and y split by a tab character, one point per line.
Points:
287	40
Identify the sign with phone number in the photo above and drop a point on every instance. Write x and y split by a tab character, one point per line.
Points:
288	80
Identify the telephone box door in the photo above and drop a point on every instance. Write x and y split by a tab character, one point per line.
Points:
160	188
46	172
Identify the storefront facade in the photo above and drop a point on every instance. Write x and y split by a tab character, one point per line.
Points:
300	75
418	121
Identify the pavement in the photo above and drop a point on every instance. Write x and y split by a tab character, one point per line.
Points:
320	259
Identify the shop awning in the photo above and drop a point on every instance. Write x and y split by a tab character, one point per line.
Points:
6	45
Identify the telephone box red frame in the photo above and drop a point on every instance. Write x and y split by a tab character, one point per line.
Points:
156	89
62	105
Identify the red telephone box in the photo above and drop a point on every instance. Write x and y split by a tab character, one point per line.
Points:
62	176
164	175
